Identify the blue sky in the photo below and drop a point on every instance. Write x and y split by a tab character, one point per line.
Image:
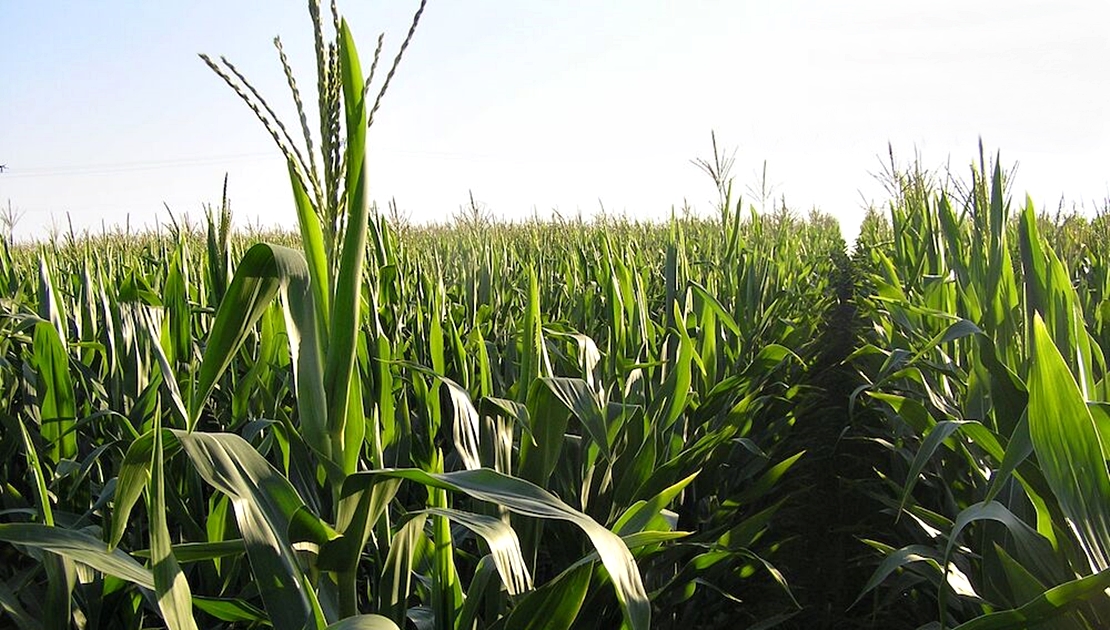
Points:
107	113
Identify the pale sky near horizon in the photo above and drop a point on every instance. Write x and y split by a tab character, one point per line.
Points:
106	112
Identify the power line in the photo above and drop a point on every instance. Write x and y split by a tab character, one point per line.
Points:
124	167
108	168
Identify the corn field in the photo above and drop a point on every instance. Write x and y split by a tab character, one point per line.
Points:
708	422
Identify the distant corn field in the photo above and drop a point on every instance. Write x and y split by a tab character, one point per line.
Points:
700	423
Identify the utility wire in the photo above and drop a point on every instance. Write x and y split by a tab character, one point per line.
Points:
123	167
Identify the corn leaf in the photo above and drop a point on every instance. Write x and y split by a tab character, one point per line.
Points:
1068	448
525	498
80	547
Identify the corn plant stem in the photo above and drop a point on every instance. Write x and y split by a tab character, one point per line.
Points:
348	593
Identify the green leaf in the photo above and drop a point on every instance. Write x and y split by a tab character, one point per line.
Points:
1034	548
360	510
555	605
230	610
714	305
264	272
201	551
171	589
78	546
1056	601
637	517
364	622
576	396
1068	448
340	369
956	330
768	479
548	419
478	592
1024	586
933	440
37	473
910	555
131	480
503	544
266	506
668	407
10	604
57	403
534	361
396	578
522	497
312	239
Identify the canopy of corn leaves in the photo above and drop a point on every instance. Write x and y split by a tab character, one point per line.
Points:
701	423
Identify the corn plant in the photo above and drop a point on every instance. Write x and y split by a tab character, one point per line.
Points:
991	384
303	529
567	423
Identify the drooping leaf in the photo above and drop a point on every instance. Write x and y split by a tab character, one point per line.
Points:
78	546
525	498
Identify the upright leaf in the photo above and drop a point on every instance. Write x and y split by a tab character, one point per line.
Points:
1068	448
